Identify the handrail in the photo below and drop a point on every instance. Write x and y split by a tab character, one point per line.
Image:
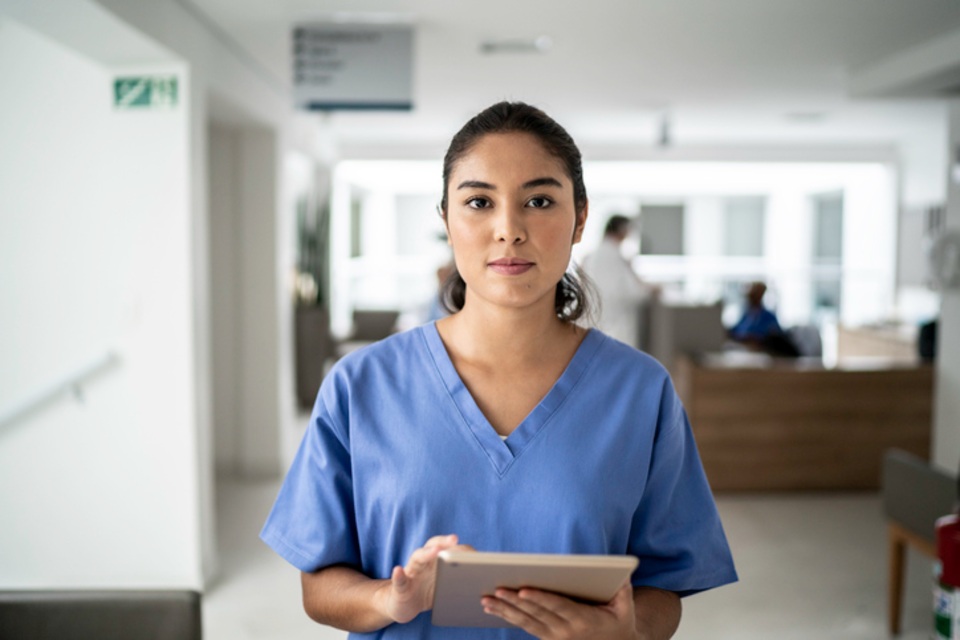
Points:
69	383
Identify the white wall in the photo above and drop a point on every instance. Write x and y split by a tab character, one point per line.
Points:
226	82
95	255
946	432
176	257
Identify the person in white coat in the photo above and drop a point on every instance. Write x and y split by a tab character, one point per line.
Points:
622	293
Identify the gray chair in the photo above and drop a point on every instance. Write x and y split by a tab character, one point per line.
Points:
100	615
915	494
369	326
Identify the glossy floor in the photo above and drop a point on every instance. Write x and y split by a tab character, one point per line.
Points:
811	566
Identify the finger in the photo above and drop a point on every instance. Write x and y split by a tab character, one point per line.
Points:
558	606
441	541
504	610
399	578
421	560
539	605
622	603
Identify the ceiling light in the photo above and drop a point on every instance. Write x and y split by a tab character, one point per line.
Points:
540	44
665	133
368	17
806	117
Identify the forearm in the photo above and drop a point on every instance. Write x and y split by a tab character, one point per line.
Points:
657	613
344	598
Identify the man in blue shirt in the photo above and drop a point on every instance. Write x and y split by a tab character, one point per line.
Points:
758	327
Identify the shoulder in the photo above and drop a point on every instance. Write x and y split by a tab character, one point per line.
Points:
362	380
617	359
391	352
624	381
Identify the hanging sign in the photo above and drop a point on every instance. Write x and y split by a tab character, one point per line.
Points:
145	92
353	67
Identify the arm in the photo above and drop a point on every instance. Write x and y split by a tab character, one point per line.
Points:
657	613
345	598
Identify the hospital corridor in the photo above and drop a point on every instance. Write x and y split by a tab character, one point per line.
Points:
674	279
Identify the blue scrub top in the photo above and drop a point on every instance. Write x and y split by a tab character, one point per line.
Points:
397	451
756	324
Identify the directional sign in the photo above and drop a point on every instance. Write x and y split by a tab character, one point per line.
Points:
337	66
145	92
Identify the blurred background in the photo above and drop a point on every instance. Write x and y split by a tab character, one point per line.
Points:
204	203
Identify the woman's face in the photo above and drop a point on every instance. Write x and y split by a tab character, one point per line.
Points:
511	221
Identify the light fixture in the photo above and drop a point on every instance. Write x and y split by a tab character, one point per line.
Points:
806	117
665	133
371	17
540	44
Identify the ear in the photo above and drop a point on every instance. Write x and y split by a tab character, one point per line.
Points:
446	224
581	223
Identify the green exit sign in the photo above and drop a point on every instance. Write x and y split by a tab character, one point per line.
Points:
145	92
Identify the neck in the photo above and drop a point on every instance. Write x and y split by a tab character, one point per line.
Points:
487	333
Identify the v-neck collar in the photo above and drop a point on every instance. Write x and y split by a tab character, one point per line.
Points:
502	452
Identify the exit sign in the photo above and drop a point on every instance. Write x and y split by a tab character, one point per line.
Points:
145	92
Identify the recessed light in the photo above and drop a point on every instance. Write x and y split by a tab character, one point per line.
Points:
540	44
371	17
806	117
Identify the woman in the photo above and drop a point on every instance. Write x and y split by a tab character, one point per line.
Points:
505	427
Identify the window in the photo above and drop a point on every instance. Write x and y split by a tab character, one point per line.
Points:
827	251
744	226
661	229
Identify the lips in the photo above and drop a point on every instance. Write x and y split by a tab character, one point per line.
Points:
510	266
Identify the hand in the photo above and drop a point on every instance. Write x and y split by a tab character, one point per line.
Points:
409	592
550	616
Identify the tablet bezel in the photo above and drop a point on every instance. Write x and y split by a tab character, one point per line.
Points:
464	577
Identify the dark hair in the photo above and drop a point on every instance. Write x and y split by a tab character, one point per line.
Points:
616	224
571	299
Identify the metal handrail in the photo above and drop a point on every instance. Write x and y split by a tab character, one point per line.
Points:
70	383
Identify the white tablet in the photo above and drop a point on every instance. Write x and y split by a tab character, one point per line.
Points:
463	577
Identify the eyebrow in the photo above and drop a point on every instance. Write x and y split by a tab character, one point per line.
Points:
530	184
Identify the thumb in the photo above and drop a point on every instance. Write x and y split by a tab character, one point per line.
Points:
622	599
399	578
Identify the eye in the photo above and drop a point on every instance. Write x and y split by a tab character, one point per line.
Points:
478	202
539	202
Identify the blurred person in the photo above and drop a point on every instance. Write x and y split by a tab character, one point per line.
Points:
758	327
622	292
505	426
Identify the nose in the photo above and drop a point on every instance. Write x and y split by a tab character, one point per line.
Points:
510	228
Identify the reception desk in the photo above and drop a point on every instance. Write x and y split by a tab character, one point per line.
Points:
765	424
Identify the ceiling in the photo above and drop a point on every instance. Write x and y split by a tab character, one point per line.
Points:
724	71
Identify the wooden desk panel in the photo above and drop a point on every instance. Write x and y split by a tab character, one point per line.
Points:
785	428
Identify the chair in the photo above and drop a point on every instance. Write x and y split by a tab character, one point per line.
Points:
807	339
372	325
678	328
100	615
369	326
915	494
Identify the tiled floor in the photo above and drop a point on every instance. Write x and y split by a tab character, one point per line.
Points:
811	566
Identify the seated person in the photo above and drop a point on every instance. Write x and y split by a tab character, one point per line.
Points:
759	329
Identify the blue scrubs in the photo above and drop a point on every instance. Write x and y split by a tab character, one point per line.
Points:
756	324
397	451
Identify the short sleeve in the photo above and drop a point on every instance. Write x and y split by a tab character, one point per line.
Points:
676	530
312	523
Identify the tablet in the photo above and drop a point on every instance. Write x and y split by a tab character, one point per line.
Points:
463	577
